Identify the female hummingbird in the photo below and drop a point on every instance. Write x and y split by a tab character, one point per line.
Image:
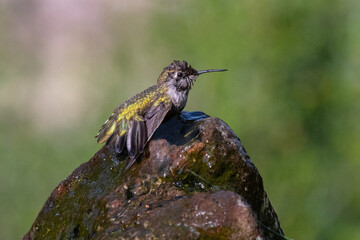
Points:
133	122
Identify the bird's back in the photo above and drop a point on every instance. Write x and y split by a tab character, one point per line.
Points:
133	122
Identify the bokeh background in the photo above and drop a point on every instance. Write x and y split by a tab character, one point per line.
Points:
291	95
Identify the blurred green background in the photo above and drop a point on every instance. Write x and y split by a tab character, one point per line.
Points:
291	95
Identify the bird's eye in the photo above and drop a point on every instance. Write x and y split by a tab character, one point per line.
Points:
180	74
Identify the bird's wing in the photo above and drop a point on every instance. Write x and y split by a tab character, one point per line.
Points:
152	121
156	114
122	131
131	126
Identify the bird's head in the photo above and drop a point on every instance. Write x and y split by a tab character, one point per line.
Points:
181	75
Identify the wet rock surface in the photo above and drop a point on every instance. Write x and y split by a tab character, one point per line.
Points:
194	181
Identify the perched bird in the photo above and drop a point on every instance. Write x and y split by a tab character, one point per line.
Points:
133	123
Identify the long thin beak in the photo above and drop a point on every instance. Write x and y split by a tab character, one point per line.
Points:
210	70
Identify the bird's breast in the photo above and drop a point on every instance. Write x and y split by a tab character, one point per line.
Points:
178	98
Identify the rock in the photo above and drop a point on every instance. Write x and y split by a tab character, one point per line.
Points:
194	181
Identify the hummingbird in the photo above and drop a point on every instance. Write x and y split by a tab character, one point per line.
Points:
132	124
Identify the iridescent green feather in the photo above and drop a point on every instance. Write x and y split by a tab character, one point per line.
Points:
133	122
